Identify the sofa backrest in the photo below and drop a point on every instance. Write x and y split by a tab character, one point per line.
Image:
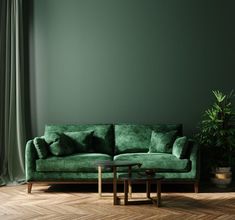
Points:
103	141
136	138
120	138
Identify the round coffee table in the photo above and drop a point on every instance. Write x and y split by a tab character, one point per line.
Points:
142	177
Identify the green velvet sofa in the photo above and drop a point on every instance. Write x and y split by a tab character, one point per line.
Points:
47	162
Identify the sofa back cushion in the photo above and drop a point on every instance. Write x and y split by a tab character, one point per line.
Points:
131	138
102	140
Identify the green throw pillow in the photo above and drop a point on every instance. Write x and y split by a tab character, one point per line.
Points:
51	137
41	147
180	147
82	140
62	146
162	142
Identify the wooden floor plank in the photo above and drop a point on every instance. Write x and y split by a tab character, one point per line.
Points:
43	204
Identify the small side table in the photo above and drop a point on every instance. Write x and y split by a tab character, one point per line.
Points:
142	177
114	165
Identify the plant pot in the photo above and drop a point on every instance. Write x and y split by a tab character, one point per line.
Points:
221	183
222	177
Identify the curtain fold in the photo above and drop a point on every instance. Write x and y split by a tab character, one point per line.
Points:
12	96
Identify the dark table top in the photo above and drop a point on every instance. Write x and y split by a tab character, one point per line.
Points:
140	176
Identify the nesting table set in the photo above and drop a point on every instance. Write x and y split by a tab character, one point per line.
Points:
128	179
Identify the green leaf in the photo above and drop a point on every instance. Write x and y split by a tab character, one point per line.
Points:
219	96
217	127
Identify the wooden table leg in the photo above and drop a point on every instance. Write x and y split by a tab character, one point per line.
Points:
158	193
148	188
126	192
130	189
115	199
100	181
129	182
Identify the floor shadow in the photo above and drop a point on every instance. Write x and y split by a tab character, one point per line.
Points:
205	187
208	187
120	188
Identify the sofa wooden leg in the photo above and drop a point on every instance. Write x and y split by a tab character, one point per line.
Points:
30	187
196	187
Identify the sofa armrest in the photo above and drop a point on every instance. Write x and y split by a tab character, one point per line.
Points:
195	158
30	160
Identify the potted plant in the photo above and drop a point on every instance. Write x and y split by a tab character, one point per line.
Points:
217	134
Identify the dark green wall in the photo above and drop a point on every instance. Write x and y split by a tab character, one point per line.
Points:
134	61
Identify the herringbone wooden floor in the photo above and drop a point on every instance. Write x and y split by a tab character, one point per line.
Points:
15	203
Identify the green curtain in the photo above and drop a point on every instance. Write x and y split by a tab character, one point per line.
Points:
12	93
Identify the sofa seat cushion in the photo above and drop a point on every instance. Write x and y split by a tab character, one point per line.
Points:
83	162
159	161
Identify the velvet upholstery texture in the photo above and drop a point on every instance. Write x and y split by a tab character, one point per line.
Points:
132	138
159	161
83	166
30	160
167	127
83	162
51	137
62	146
82	140
180	147
136	138
103	136
103	139
70	176
41	147
162	142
